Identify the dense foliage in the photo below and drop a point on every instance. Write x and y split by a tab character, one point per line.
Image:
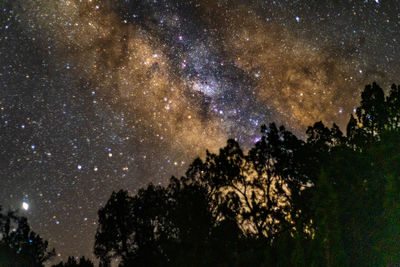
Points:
19	246
72	262
329	200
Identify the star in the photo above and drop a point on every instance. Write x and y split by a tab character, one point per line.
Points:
25	205
96	98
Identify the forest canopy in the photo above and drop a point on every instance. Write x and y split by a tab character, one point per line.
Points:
331	199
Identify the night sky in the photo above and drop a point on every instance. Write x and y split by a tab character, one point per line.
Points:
97	96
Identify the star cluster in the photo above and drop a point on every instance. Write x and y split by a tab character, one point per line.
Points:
101	95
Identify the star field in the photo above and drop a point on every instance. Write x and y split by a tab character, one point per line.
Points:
96	96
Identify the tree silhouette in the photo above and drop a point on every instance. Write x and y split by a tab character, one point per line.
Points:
393	107
72	262
115	227
328	200
18	244
372	112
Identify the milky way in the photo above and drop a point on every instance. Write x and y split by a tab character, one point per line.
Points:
102	95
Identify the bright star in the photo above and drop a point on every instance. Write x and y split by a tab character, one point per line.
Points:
25	205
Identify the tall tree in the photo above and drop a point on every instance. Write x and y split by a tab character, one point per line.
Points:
393	107
372	113
115	228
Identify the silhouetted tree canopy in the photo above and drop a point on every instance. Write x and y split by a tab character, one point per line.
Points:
329	200
326	200
72	262
19	246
